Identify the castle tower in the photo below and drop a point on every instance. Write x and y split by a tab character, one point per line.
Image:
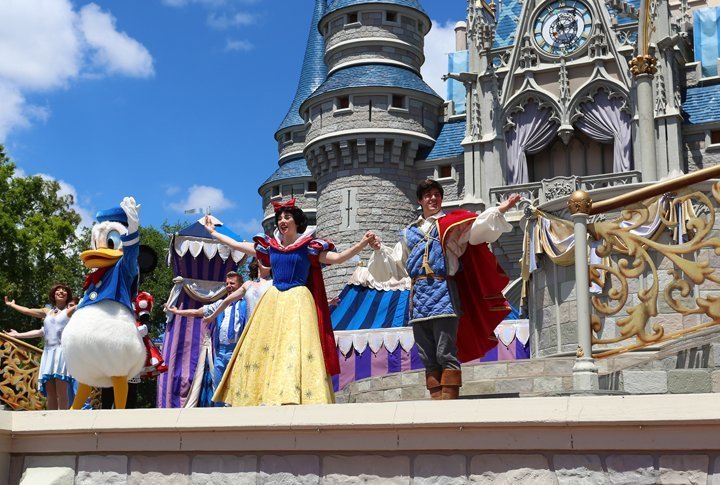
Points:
368	120
293	179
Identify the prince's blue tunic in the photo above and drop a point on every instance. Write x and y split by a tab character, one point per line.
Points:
431	294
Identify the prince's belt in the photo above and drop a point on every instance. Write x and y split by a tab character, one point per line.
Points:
431	277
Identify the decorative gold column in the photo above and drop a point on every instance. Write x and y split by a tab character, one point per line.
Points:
643	68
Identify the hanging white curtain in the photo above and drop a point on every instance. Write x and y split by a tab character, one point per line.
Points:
532	132
603	121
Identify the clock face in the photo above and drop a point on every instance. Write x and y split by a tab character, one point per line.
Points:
562	27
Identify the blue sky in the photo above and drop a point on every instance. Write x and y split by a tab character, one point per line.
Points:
172	101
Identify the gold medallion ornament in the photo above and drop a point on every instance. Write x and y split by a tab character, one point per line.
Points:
643	65
580	202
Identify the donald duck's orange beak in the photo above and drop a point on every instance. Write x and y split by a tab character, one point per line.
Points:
100	258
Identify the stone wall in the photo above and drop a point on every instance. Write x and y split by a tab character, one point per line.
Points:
419	117
508	250
454	187
416	468
552	310
371	28
306	201
560	440
295	144
375	54
697	154
384	201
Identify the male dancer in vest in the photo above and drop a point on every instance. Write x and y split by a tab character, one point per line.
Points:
456	284
227	329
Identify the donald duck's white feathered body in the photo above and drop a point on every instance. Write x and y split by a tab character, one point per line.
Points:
101	343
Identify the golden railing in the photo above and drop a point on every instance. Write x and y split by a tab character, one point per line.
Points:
20	368
628	256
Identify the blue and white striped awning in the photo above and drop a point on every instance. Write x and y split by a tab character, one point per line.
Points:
372	318
363	308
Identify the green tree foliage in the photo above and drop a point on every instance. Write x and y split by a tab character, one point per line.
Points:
38	244
159	282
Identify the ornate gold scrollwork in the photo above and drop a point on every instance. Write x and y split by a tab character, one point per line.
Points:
635	260
20	366
643	65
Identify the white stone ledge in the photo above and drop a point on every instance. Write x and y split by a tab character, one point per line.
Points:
572	424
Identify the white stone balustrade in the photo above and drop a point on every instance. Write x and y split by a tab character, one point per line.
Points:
577	439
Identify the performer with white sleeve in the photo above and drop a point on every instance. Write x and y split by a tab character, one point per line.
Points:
456	284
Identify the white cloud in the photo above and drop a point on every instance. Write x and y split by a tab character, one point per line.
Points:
203	197
439	42
208	3
224	21
114	52
239	45
171	190
247	228
46	45
39	43
13	111
86	215
19	172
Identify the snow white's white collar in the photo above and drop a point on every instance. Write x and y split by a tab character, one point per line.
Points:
302	239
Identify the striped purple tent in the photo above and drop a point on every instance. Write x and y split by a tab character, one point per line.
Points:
199	264
374	339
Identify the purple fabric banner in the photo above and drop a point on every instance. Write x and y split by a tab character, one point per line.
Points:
357	366
184	335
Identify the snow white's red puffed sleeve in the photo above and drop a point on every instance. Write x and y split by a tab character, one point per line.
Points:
317	246
262	243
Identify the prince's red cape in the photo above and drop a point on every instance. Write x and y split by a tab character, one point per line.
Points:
480	281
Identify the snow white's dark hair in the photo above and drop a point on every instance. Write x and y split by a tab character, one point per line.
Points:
298	216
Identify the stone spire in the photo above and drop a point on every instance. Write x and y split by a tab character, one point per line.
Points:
292	179
314	70
368	121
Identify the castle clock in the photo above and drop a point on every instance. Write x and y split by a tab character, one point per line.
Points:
562	27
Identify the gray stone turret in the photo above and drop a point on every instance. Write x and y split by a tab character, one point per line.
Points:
388	32
368	120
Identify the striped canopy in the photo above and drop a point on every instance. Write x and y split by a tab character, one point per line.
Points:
363	308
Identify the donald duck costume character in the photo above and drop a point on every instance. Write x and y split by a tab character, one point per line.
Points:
101	342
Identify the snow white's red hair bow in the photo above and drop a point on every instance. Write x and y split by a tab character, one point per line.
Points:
278	206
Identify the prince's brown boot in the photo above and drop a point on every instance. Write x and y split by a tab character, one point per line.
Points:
432	380
451	382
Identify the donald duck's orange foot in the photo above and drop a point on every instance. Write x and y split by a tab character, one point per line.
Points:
120	388
82	394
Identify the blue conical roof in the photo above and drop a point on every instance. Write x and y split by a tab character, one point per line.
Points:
374	75
314	70
338	4
289	170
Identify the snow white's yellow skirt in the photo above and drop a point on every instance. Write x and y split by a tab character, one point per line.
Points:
278	359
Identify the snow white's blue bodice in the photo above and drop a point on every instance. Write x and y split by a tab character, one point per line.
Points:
290	268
